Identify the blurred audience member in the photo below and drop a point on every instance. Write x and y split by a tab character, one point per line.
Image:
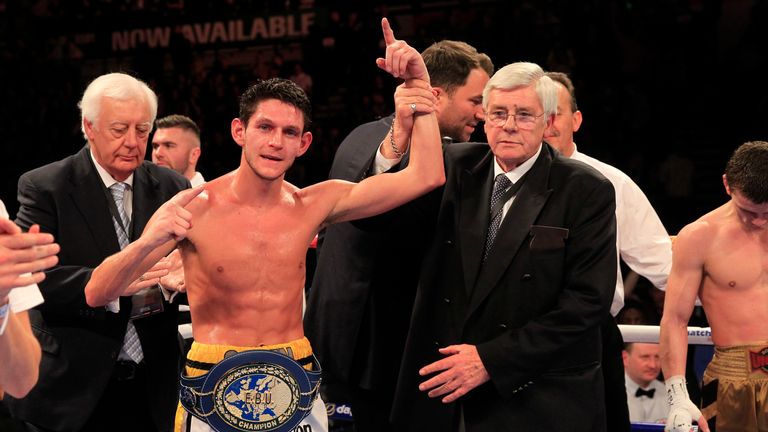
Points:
361	349
645	393
176	145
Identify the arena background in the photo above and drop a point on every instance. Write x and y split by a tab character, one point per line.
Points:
668	88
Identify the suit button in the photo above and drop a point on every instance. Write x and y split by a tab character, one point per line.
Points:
503	326
526	277
448	242
447	300
436	343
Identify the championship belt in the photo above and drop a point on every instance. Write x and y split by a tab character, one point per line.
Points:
257	390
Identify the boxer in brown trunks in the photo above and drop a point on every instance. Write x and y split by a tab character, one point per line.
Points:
723	259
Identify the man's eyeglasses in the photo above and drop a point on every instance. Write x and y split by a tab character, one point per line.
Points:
523	120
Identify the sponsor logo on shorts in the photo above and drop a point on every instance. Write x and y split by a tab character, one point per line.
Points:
759	360
338	411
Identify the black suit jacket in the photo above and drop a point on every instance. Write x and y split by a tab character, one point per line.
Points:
533	309
362	293
80	344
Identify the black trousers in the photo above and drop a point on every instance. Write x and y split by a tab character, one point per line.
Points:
370	408
616	409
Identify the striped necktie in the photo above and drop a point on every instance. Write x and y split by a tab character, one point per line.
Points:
500	185
131	342
503	191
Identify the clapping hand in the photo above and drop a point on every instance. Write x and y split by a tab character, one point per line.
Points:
24	256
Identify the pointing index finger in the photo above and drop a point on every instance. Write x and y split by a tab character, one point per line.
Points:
389	35
186	196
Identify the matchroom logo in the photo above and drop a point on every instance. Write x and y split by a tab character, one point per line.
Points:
759	360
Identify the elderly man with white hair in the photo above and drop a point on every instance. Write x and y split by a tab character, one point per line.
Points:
103	368
505	332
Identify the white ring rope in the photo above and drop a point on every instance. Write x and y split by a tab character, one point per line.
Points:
631	333
650	334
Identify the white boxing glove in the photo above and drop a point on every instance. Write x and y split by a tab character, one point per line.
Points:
681	410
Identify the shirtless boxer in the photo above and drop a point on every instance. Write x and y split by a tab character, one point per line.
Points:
722	258
243	244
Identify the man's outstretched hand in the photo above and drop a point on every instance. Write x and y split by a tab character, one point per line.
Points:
402	60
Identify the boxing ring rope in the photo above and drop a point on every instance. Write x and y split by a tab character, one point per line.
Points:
650	334
185	330
630	333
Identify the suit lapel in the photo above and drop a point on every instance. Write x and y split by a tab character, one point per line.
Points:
145	199
514	228
90	200
474	215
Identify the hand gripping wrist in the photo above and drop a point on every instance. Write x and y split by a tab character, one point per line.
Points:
681	410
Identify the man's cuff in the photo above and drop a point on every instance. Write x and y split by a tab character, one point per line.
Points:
168	295
382	164
113	306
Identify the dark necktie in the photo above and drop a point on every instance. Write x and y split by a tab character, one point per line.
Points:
131	342
641	392
500	185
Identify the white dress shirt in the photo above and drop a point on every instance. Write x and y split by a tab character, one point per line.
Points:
643	408
197	179
641	239
514	175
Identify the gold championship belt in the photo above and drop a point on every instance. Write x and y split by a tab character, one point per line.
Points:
255	390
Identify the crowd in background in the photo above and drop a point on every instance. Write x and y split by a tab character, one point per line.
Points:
629	60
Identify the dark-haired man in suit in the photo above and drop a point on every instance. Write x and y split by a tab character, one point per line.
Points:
110	367
361	349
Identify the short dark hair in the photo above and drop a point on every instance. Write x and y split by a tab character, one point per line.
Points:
568	84
179	121
450	62
747	171
274	88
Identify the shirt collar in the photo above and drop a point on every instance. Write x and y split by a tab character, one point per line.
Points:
107	178
516	173
575	150
632	386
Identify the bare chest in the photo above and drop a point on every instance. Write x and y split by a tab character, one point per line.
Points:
738	263
237	248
